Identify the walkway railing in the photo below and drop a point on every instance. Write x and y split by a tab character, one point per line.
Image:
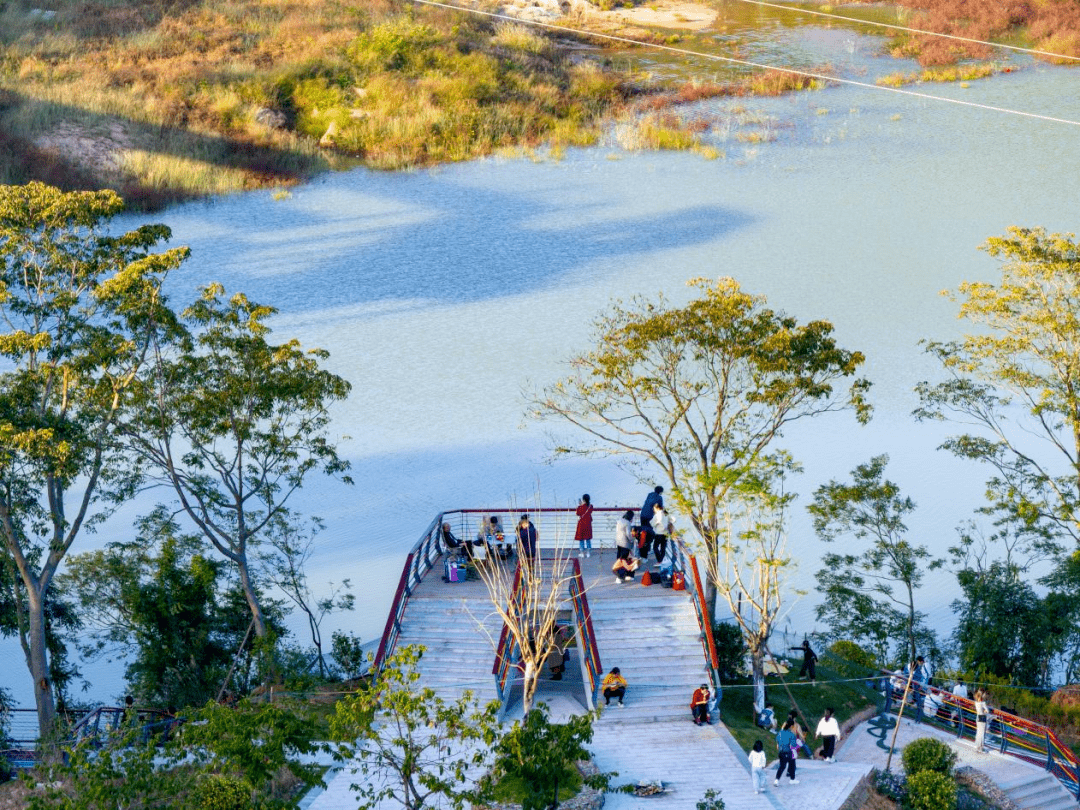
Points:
590	653
507	651
1008	733
685	562
555	527
425	552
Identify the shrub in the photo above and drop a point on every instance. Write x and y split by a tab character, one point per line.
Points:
929	790
891	785
712	800
730	650
928	754
217	792
348	653
6	770
852	660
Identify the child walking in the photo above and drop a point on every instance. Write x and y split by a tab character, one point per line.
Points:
757	767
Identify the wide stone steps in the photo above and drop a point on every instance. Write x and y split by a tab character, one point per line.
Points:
1038	792
458	652
655	642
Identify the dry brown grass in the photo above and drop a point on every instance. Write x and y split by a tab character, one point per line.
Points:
1048	25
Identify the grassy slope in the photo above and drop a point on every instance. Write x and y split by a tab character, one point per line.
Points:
161	101
847	697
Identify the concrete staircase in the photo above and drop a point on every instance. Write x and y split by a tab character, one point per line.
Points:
655	641
1040	791
458	635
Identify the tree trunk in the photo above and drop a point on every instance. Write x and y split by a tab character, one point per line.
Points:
252	598
528	690
38	656
757	667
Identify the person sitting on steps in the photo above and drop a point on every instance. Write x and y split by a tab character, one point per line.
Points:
614	686
699	705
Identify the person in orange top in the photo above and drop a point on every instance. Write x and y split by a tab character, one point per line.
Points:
699	705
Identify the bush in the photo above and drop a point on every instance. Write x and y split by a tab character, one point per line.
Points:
929	790
217	792
348	653
730	650
891	785
929	754
851	660
6	770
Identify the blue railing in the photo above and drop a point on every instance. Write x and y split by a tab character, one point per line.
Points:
590	653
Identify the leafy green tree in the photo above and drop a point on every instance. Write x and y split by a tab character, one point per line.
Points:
411	746
79	309
701	394
159	595
1014	383
234	424
1004	627
542	755
870	596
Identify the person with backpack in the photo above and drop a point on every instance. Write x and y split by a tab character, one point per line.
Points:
787	746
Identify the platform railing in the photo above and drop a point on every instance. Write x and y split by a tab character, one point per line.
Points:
590	653
555	527
1009	733
507	651
684	561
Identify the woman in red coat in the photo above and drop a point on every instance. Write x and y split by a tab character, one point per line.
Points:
584	527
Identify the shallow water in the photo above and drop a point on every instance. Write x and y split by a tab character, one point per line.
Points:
443	294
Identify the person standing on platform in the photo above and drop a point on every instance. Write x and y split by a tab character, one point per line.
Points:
652	500
583	533
527	539
809	660
662	528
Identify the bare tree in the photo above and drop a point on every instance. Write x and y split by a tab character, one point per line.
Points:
528	597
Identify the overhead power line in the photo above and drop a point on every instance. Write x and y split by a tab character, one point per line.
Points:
745	62
795	9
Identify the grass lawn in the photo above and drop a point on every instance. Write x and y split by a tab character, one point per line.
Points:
845	696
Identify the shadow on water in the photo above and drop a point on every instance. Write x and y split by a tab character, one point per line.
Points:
380	239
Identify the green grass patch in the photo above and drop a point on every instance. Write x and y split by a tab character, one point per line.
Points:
847	697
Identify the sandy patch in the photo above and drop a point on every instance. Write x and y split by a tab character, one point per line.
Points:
584	14
689	16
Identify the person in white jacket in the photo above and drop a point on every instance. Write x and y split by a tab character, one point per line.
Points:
757	767
829	732
662	528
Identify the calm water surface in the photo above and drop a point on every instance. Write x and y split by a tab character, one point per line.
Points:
442	294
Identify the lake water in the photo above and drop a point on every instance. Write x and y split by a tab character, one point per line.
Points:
442	294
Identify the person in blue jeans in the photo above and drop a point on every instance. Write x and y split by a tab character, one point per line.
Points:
787	746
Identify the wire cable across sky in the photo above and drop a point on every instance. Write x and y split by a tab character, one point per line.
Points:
732	60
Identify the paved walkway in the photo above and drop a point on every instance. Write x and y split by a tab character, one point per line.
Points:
691	760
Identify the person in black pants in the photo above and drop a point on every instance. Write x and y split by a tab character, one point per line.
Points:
808	660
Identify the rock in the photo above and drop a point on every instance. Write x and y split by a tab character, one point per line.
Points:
271	118
327	140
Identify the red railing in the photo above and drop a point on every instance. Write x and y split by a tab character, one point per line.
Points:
1009	733
683	561
590	652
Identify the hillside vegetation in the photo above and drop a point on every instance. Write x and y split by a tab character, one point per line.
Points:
165	101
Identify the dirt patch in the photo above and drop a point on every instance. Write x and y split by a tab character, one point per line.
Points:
99	150
684	16
13	795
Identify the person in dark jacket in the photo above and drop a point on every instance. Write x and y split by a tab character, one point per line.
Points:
809	659
652	500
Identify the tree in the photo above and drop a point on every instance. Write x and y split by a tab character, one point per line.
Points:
751	572
161	596
870	595
1015	381
528	598
703	392
410	745
80	310
1004	628
234	424
291	551
543	756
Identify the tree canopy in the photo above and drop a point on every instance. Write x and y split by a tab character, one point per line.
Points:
1014	381
79	310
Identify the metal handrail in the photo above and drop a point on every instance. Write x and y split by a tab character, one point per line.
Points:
1016	736
590	651
684	561
507	651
